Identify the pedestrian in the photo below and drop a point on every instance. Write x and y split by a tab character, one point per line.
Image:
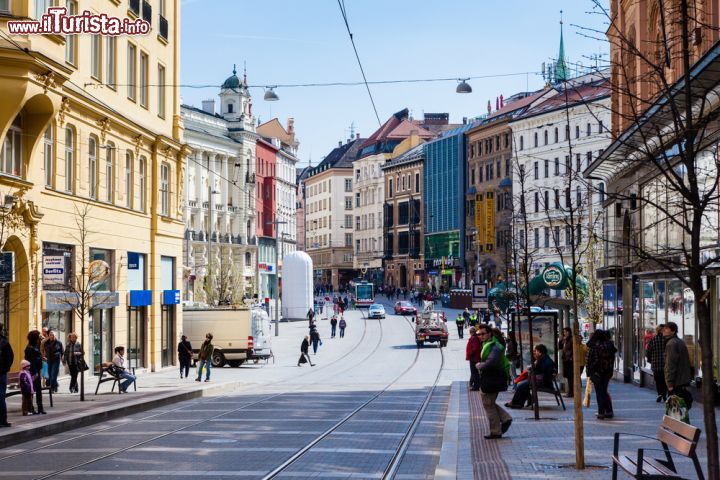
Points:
466	317
310	315
472	355
205	355
494	372
33	355
121	369
460	324
27	390
54	355
185	355
678	371
333	326
315	339
342	326
565	345
7	357
600	364
74	359
304	355
473	320
543	368
656	356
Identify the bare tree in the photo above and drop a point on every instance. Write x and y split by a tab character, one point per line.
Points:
664	161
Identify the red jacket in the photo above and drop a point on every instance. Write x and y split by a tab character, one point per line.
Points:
473	349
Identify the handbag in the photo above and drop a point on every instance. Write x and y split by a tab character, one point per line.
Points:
302	358
588	391
82	365
493	381
44	373
676	407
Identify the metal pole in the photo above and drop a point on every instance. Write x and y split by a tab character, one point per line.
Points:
277	285
209	232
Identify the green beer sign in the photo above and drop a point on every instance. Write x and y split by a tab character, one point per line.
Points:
552	276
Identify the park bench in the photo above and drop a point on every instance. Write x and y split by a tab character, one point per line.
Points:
13	387
672	433
554	391
106	373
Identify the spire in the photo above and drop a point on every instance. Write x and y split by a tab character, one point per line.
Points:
561	70
234	70
245	73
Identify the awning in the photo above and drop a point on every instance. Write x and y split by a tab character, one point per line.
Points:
556	276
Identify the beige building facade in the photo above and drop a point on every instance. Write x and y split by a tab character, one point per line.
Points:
91	130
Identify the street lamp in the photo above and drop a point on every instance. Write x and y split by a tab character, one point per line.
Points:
277	274
270	95
463	86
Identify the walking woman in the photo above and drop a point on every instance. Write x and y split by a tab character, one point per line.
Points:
54	356
600	364
185	355
73	358
304	355
33	355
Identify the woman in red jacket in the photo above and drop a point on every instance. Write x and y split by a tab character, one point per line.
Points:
472	355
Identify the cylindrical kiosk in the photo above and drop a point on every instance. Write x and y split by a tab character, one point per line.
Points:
297	292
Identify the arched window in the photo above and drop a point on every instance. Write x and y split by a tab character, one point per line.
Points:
601	192
11	152
69	159
248	259
92	167
109	172
142	174
48	156
557	138
231	107
545	136
536	139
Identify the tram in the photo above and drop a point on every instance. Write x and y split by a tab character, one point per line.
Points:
364	294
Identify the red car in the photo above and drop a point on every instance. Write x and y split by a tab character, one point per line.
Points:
404	308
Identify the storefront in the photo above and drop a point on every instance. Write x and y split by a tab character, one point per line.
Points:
103	304
57	300
170	298
138	302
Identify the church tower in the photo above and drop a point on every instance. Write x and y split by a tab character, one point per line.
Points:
561	70
235	102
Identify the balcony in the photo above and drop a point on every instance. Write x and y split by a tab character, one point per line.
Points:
220	207
252	241
199	236
192	203
249	177
206	204
163	23
237	240
214	237
147	12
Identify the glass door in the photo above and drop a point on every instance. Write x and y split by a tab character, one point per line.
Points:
167	335
136	337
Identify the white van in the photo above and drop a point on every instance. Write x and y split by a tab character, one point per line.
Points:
239	334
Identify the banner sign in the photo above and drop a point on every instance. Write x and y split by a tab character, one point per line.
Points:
170	297
139	298
105	300
53	270
133	261
489	222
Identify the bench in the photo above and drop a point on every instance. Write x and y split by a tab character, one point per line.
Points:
673	433
555	391
105	374
13	387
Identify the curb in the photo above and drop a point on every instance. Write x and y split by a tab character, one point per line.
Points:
447	465
105	413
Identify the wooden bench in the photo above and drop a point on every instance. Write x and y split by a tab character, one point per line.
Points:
13	387
106	374
672	433
555	391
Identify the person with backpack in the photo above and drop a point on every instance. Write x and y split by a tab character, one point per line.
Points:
342	326
185	355
205	357
494	371
600	364
333	326
7	357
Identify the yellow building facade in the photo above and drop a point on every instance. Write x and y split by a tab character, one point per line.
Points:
90	124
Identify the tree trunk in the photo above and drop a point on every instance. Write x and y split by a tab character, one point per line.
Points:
708	385
577	398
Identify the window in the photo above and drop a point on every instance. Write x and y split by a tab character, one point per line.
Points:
390	189
507	167
110	49
578	234
128	179
557	166
491	171
588	157
142	174
472	176
357	174
230	107
557	198
537	237
357	223
547	200
577	131
143	82
69	159
348	221
546	236
348	239
480	174
164	189
537	202
601	192
589	129
556	236
567	197
578	194
522	142
5	6
557	137
600	126
568	165
403	183
498	169
40	7
348	184
536	139
547	168
48	156
95	56
567	131
161	91
545	136
417	183
248	259
578	162
70	40
132	72
568	235
348	203
536	169
109	172
357	199
92	167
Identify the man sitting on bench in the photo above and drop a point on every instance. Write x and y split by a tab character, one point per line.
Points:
543	368
119	364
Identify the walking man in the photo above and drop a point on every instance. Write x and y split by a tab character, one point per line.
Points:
333	326
205	355
7	356
656	357
310	316
343	324
678	372
460	323
494	371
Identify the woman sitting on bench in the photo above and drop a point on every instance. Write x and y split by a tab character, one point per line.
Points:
119	363
543	368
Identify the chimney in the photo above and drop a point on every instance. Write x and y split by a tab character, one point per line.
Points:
464	120
357	136
208	106
291	125
349	140
339	143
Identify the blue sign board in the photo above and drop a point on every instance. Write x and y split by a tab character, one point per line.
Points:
133	261
170	297
140	298
432	272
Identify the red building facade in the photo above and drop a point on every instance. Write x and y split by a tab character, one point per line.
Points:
265	204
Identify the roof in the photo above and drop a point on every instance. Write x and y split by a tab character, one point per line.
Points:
274	129
583	93
387	127
514	106
340	157
415	154
301	173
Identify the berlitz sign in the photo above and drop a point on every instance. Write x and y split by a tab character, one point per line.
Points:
552	276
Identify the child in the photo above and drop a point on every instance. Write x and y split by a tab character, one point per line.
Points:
26	387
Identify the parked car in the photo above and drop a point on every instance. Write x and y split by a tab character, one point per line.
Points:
376	310
404	308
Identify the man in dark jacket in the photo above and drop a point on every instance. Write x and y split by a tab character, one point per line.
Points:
656	357
544	368
678	371
472	355
7	357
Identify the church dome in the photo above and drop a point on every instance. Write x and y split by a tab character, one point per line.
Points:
232	81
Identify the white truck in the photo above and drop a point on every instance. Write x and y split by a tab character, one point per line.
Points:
240	334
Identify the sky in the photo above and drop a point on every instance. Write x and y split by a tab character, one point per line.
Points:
306	41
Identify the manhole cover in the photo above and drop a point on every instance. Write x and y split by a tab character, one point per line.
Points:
220	440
